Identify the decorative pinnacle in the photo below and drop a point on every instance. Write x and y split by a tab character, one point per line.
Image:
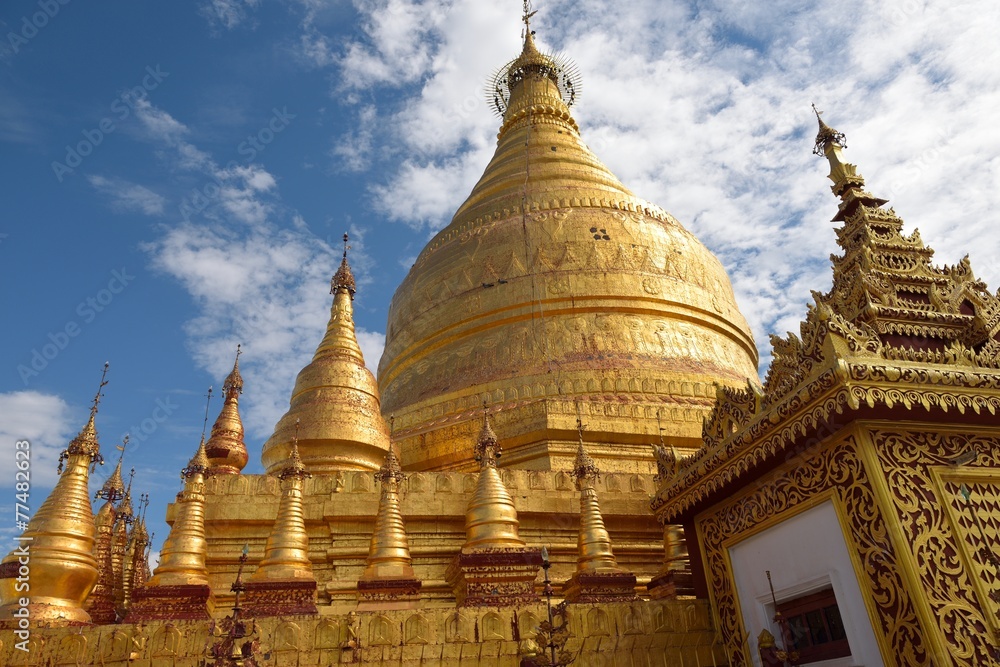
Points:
86	441
199	462
826	135
526	17
584	467
204	425
295	467
390	469
234	382
344	278
487	447
97	396
125	513
114	487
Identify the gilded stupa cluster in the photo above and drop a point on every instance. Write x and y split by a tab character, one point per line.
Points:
568	457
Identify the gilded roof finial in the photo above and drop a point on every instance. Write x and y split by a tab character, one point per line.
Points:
526	18
584	467
295	467
199	462
826	135
344	278
86	441
234	381
114	486
487	447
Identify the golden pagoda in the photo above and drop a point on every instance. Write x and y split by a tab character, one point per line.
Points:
178	589
283	582
335	402
226	451
598	577
553	286
845	510
48	577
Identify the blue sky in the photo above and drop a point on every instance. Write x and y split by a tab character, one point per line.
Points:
177	176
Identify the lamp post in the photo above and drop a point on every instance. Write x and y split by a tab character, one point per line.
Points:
550	636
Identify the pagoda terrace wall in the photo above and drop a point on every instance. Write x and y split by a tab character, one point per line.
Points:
648	633
340	513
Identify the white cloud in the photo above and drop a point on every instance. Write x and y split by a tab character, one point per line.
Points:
159	124
352	150
266	289
704	110
129	197
227	14
47	423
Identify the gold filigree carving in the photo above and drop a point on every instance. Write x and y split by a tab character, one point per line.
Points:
838	470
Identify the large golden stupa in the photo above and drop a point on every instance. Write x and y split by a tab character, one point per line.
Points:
554	344
554	289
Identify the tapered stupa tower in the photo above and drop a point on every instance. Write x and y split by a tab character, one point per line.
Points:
226	451
179	586
554	284
284	581
335	400
57	545
388	579
495	568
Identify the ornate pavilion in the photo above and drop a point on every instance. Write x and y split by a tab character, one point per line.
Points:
568	458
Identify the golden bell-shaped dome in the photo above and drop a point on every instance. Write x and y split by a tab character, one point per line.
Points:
335	400
555	284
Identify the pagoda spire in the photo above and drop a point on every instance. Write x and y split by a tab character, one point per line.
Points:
226	450
124	518
597	577
179	585
388	571
101	601
60	537
494	567
490	520
885	284
595	551
335	399
284	582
